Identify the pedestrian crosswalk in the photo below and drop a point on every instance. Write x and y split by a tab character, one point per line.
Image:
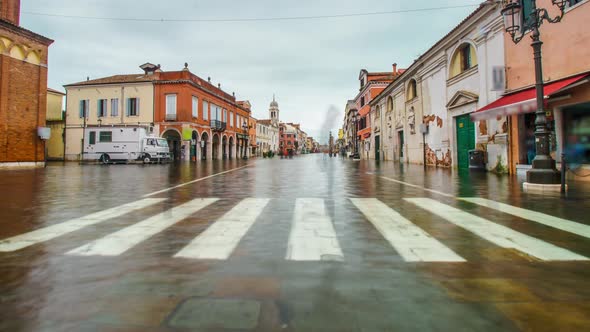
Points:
500	235
313	234
123	240
411	242
219	240
53	231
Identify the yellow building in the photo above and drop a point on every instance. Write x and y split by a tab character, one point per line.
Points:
56	121
105	102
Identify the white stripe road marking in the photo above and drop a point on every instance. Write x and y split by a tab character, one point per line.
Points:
53	231
410	241
312	235
416	186
541	218
197	180
495	233
117	243
220	239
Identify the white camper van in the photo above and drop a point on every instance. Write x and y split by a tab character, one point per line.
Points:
111	144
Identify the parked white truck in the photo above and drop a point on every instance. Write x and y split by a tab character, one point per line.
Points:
123	144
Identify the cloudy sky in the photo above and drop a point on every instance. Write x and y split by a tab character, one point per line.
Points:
312	65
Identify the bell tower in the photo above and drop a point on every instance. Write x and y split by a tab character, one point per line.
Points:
10	11
273	111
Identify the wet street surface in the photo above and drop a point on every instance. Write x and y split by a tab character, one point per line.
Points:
305	244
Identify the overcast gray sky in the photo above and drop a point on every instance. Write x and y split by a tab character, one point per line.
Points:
309	64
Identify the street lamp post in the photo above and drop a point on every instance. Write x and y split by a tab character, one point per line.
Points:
245	151
517	23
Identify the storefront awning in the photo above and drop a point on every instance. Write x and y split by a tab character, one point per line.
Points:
365	110
364	133
522	101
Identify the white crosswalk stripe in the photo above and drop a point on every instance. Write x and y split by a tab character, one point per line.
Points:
541	218
50	232
411	242
123	240
495	233
312	235
221	238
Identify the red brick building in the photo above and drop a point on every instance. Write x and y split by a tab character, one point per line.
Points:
287	139
23	89
199	119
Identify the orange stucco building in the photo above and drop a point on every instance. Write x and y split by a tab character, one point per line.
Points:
566	77
566	49
371	85
199	119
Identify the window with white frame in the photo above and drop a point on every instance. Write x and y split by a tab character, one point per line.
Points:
205	110
231	119
195	107
115	107
132	108
171	107
83	110
101	108
214	112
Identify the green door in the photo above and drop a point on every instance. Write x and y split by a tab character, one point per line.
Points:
377	148
465	140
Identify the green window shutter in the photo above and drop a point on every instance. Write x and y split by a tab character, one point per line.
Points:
137	106
98	109
527	8
81	111
128	107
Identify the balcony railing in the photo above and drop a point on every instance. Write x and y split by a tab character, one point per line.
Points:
170	117
217	125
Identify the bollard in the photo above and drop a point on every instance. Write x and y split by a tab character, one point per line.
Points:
563	170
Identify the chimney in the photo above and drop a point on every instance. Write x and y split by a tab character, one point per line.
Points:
395	68
10	11
209	79
219	86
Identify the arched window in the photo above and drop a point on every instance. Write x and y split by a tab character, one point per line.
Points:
464	58
411	93
377	112
389	104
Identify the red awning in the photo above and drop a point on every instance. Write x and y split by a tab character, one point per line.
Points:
365	110
364	133
522	101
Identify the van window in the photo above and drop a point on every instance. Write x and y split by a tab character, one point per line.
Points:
105	137
92	138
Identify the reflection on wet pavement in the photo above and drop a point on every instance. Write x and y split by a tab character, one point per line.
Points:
305	244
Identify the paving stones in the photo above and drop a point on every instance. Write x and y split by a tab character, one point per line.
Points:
216	313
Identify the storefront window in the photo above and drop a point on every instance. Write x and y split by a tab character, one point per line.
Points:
577	134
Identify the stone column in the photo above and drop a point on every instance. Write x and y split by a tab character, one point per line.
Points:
209	149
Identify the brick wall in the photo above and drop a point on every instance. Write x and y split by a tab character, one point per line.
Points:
10	11
23	98
24	92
